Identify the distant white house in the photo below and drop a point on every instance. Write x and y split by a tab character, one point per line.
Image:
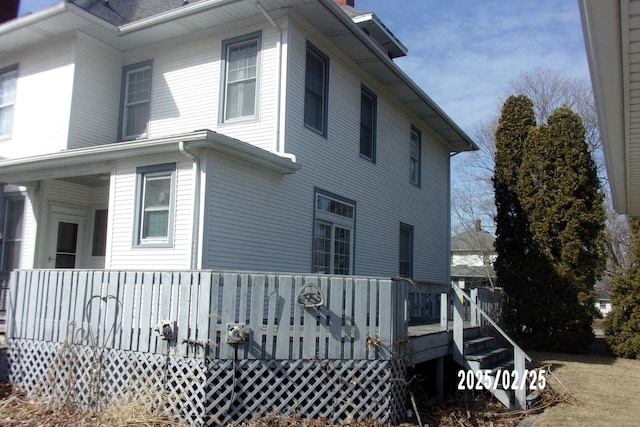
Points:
256	135
472	258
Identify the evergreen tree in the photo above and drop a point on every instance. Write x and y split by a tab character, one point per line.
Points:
516	121
560	191
622	325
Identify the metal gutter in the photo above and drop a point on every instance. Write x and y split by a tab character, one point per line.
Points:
32	18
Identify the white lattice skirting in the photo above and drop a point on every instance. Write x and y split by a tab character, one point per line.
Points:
217	393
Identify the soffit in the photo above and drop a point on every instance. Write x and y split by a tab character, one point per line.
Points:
612	37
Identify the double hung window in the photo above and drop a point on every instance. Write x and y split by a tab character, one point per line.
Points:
241	69
8	82
13	229
136	101
368	107
333	234
415	150
155	205
316	89
406	251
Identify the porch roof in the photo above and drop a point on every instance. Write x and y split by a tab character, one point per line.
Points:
99	159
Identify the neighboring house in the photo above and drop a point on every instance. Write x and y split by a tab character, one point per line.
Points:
604	303
472	257
612	34
216	134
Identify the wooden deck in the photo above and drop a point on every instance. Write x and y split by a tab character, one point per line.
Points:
227	337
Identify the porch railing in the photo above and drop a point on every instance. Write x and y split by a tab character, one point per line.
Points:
359	318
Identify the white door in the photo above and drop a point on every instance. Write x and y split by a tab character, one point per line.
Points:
65	240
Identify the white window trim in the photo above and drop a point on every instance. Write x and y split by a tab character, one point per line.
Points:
142	172
226	44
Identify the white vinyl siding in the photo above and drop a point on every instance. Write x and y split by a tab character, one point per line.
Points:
179	105
383	191
96	93
43	91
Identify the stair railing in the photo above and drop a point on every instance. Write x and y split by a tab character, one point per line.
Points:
519	355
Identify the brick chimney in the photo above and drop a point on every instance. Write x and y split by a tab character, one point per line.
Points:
9	10
344	2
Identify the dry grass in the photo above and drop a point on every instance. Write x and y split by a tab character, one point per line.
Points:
18	410
603	387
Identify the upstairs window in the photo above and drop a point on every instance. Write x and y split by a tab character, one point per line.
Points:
136	101
368	120
415	160
155	195
240	86
316	89
8	80
333	234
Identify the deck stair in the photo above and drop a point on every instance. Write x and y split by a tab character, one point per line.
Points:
490	354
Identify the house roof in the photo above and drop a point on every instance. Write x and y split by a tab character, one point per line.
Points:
120	12
472	240
612	38
115	27
472	271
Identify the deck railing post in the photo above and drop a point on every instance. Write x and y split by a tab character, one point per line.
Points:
458	329
519	366
444	311
473	312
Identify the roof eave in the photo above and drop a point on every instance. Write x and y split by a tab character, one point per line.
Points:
603	40
451	133
59	164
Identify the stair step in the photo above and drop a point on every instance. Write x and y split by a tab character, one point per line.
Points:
488	358
478	343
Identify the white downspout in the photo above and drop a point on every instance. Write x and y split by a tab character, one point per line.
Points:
194	250
279	135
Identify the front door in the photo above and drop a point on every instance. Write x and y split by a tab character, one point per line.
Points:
64	249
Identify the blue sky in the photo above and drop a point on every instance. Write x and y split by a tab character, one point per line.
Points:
463	53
